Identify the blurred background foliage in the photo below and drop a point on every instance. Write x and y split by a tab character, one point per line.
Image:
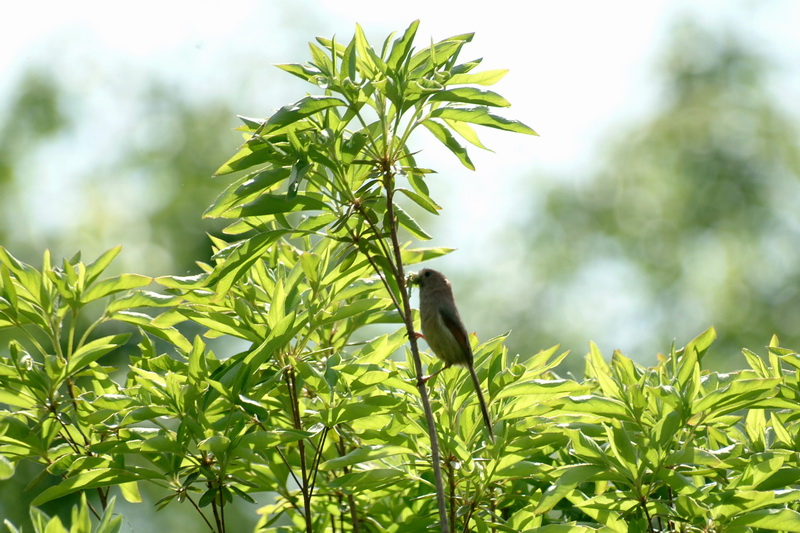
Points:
147	183
686	219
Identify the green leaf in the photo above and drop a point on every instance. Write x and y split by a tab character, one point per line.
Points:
481	115
123	282
358	307
736	395
487	77
100	477
239	258
222	323
301	71
421	200
145	322
16	399
598	405
217	444
428	60
667	428
253	152
370	480
621	443
412	256
94	270
281	334
302	108
94	350
348	70
569	477
162	444
110	523
702	342
8	288
28	277
467	132
445	137
6	468
694	456
771	519
402	46
117	402
410	224
271	204
182	283
363	455
369	60
262	440
542	390
518	469
141	299
246	189
471	95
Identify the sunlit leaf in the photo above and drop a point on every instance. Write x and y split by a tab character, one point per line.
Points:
487	77
481	115
113	285
302	108
471	95
101	477
94	350
445	137
364	454
271	204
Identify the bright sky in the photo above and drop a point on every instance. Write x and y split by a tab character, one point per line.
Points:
579	69
576	67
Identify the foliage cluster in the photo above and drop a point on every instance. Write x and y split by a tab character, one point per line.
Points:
322	413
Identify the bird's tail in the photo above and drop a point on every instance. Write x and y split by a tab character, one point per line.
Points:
484	408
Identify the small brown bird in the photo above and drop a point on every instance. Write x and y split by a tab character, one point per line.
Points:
443	329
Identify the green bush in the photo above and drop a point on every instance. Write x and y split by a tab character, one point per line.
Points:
323	408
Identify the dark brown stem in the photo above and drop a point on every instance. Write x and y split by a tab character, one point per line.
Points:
451	477
408	318
380	274
351	501
197	507
643	503
469	514
91	507
291	383
221	507
103	494
217	518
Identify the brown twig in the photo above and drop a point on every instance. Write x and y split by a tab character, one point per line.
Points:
408	318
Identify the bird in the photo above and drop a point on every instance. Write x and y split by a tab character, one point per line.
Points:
444	331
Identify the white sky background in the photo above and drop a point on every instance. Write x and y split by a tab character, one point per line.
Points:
579	69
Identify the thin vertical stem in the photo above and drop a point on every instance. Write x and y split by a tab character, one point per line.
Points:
291	383
408	318
451	477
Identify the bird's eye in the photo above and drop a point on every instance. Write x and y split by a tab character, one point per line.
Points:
428	274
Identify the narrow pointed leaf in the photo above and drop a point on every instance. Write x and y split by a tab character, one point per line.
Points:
487	77
471	95
302	108
481	115
94	350
443	134
113	285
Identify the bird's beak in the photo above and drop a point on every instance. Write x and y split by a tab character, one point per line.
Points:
413	278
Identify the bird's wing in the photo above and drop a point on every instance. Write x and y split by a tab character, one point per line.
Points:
454	324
